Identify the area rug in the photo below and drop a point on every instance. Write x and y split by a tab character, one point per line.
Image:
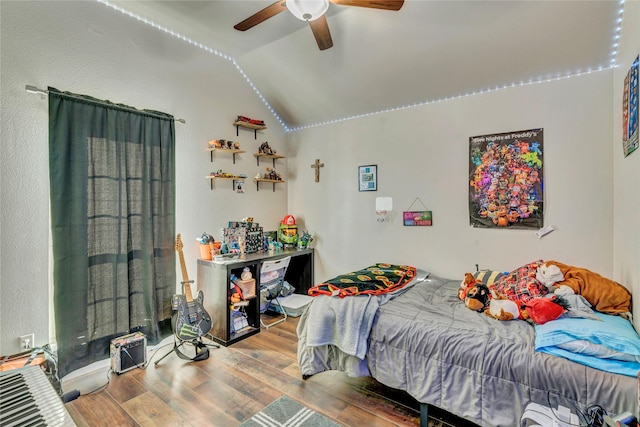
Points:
285	412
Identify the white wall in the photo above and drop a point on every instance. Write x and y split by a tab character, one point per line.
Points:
423	152
626	170
87	48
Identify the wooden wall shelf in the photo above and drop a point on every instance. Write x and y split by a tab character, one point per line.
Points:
273	181
233	179
233	151
239	124
268	156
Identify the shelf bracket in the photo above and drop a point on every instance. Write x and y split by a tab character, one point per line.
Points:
255	132
258	186
258	161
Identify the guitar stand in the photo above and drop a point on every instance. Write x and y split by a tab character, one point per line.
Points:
202	350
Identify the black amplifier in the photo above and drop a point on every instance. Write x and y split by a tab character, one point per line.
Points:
128	352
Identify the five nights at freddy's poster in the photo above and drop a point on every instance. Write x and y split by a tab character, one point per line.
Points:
506	180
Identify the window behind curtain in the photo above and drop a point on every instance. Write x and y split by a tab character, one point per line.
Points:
112	185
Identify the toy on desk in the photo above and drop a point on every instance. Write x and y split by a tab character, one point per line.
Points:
205	239
275	246
305	240
288	231
241	245
208	246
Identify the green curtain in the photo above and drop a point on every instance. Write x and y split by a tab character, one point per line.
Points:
112	179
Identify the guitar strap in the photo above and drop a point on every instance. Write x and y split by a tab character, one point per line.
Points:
202	351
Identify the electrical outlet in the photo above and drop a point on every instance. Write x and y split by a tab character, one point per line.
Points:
27	341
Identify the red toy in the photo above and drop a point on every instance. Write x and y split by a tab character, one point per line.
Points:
543	310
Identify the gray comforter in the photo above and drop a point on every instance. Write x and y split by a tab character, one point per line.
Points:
426	342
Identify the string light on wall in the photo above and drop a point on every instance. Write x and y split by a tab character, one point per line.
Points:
203	47
568	74
540	79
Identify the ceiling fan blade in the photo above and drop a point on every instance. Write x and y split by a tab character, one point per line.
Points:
321	32
374	4
263	15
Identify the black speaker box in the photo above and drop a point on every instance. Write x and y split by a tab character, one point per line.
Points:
128	352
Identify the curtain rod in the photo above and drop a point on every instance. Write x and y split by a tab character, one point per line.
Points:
44	92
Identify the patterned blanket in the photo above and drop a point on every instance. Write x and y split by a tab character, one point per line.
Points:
377	279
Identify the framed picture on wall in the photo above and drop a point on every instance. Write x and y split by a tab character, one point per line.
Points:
368	178
630	110
506	184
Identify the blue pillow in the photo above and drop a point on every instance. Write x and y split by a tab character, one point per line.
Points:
613	332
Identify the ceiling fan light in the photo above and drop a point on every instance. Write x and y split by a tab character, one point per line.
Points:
307	10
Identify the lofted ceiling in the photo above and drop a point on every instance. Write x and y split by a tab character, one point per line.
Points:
428	50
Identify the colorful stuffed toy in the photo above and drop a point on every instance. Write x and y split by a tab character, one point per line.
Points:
466	285
478	297
543	310
503	309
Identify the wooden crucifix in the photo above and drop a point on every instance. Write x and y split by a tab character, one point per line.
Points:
317	165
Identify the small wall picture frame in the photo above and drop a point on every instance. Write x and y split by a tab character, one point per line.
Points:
417	218
368	178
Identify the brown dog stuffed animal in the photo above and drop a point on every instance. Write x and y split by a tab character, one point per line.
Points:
478	297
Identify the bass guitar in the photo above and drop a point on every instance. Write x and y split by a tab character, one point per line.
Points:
190	320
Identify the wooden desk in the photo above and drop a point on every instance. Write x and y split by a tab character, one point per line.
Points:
214	279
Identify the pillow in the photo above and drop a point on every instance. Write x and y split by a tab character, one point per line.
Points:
596	350
487	277
521	284
612	332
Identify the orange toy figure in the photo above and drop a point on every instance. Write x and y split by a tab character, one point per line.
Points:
466	285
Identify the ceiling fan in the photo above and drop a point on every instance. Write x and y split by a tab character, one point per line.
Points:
313	12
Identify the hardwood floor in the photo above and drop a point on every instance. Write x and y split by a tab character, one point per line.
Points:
232	385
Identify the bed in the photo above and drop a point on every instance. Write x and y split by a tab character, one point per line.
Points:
423	340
